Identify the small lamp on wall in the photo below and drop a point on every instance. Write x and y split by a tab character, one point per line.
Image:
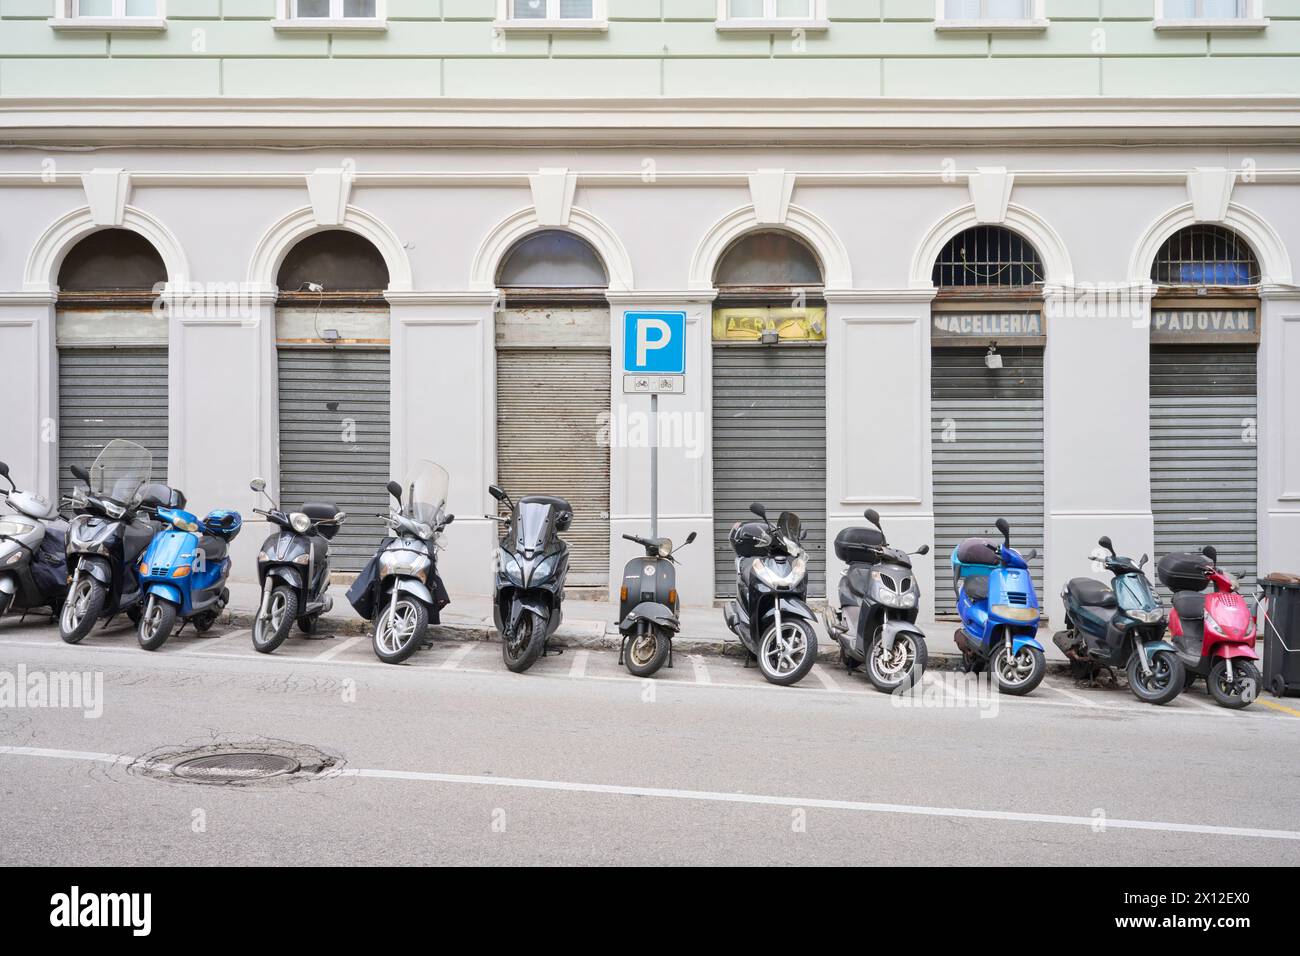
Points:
993	360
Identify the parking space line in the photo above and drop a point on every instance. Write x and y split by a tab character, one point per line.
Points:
1274	705
701	670
330	653
207	643
1188	698
459	654
825	678
1080	698
579	666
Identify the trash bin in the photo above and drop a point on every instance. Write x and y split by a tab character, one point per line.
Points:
1280	624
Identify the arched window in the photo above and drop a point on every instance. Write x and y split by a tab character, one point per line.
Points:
1205	255
552	259
988	257
112	260
337	261
768	259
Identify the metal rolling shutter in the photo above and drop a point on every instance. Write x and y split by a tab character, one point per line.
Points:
987	443
322	391
111	393
1204	474
551	407
769	445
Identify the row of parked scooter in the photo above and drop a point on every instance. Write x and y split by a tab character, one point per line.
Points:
132	548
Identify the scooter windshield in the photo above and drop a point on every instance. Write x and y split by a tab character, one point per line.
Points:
1132	593
533	524
121	469
424	492
789	528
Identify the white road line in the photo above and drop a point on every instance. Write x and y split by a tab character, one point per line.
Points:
579	666
1080	698
701	670
825	678
753	799
207	643
330	653
1204	705
459	654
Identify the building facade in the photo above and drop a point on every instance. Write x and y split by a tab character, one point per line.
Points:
952	260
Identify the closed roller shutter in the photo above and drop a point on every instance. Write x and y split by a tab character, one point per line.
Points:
769	445
552	405
1204	471
334	438
987	442
111	393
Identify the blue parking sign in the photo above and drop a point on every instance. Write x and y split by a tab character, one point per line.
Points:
654	342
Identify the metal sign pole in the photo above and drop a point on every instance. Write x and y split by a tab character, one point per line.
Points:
654	464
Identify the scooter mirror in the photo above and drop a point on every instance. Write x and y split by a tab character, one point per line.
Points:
395	490
496	493
79	472
341	517
4	469
258	484
1143	562
1033	553
759	510
448	520
1105	542
689	538
1001	525
872	515
924	549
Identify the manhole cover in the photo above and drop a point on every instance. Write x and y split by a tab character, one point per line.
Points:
236	766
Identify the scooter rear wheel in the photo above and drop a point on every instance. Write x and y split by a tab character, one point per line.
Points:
647	651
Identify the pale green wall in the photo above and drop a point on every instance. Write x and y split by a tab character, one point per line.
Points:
652	48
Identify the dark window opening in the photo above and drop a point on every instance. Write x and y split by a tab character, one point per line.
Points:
552	259
345	266
768	260
988	257
1205	256
112	260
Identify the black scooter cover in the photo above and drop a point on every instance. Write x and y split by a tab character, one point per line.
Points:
364	593
49	565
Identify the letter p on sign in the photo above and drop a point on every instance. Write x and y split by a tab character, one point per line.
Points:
654	342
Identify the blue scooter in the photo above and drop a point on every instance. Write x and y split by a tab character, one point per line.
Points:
184	571
999	612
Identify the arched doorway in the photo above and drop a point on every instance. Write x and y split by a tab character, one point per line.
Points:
1204	345
553	387
111	337
769	394
332	351
987	338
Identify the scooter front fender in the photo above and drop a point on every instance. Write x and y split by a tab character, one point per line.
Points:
653	612
416	588
1148	650
1019	641
791	607
98	569
1234	651
894	628
168	592
290	576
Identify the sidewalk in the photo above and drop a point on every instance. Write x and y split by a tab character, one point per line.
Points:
591	624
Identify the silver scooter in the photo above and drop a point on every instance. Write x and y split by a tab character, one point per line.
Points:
33	573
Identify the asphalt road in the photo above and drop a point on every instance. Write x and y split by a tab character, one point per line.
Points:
451	759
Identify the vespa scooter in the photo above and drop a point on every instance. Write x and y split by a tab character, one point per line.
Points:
1121	626
771	615
293	569
184	572
532	564
999	612
879	599
1214	634
648	606
33	574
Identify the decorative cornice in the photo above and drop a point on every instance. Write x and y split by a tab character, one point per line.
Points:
382	121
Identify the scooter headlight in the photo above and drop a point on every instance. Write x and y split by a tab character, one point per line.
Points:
112	510
510	568
15	557
665	548
1010	613
1153	616
299	522
776	581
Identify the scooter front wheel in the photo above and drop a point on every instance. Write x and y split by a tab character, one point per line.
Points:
399	630
647	651
521	651
156	623
786	658
1019	673
269	631
81	610
1163	684
1241	691
902	666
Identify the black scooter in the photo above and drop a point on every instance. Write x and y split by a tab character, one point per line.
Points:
32	540
648	606
771	615
1122	627
532	563
879	599
293	569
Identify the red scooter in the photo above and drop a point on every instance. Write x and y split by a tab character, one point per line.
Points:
1213	633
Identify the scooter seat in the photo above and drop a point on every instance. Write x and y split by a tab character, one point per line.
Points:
976	588
1090	592
214	549
319	510
1190	605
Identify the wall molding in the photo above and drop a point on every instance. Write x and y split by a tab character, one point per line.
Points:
276	242
829	248
1048	243
1274	260
41	274
523	222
